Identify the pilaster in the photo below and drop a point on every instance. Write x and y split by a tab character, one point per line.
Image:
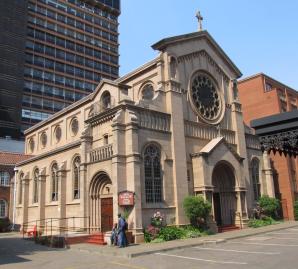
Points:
41	198
25	199
268	173
62	196
175	108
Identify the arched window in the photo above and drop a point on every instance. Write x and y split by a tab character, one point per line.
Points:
76	177
147	92
3	209
21	188
153	182
173	68
4	178
35	185
255	172
54	182
106	100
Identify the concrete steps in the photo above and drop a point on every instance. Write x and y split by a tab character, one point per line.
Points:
96	238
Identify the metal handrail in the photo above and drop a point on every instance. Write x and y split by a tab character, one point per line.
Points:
53	227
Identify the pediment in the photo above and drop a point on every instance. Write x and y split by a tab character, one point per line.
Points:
194	42
214	144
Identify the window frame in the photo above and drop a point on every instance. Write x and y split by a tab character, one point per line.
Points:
153	182
4	179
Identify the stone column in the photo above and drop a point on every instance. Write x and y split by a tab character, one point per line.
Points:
62	197
41	198
86	145
175	108
118	176
133	175
267	182
25	199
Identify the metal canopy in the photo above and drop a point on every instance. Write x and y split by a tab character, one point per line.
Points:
278	133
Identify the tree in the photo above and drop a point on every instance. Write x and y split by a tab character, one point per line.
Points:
269	205
196	208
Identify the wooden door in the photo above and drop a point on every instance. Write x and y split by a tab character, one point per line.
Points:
106	214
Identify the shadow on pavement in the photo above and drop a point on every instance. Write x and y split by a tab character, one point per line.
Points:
14	249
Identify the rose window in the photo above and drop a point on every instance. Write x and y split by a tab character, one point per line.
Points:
205	98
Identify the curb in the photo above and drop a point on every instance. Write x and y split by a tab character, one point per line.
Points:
204	242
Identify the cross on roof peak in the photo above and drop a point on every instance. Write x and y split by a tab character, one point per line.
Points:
200	19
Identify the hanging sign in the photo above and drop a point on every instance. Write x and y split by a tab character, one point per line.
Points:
126	198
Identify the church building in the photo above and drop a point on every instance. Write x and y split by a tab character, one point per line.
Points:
142	143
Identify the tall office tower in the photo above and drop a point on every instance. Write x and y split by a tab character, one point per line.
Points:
70	46
12	42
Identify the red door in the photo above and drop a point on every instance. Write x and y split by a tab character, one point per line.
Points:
106	214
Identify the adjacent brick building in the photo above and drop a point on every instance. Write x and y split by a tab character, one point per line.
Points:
262	96
7	164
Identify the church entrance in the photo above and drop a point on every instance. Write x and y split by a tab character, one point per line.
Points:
101	203
224	195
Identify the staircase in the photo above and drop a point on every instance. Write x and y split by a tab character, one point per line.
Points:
227	228
96	238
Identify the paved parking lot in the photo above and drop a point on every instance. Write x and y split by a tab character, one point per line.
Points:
270	250
276	249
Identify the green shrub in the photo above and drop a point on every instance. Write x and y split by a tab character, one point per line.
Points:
191	232
196	208
296	210
157	240
256	223
171	233
147	236
269	205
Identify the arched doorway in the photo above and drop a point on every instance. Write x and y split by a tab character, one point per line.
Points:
101	203
224	195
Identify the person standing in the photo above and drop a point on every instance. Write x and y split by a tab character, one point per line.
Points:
122	226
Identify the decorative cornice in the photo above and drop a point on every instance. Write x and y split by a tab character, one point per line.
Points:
283	142
50	153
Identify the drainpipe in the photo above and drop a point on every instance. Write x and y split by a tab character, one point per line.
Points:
14	199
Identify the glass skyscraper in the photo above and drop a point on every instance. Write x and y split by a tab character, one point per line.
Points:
70	46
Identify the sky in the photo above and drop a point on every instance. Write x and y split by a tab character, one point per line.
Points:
258	35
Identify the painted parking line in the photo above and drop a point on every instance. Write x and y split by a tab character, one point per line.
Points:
285	238
127	265
239	251
284	233
198	259
262	244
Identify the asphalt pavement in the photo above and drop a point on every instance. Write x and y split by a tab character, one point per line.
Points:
270	247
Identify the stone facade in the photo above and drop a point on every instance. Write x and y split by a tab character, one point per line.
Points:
169	129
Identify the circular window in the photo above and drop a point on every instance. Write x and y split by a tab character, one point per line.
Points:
147	92
31	144
58	133
205	98
43	139
74	125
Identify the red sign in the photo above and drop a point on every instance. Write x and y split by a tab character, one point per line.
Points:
126	198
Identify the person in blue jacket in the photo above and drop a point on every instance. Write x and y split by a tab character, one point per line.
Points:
122	226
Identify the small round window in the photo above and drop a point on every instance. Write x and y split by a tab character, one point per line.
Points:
58	133
147	92
43	139
31	144
74	125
